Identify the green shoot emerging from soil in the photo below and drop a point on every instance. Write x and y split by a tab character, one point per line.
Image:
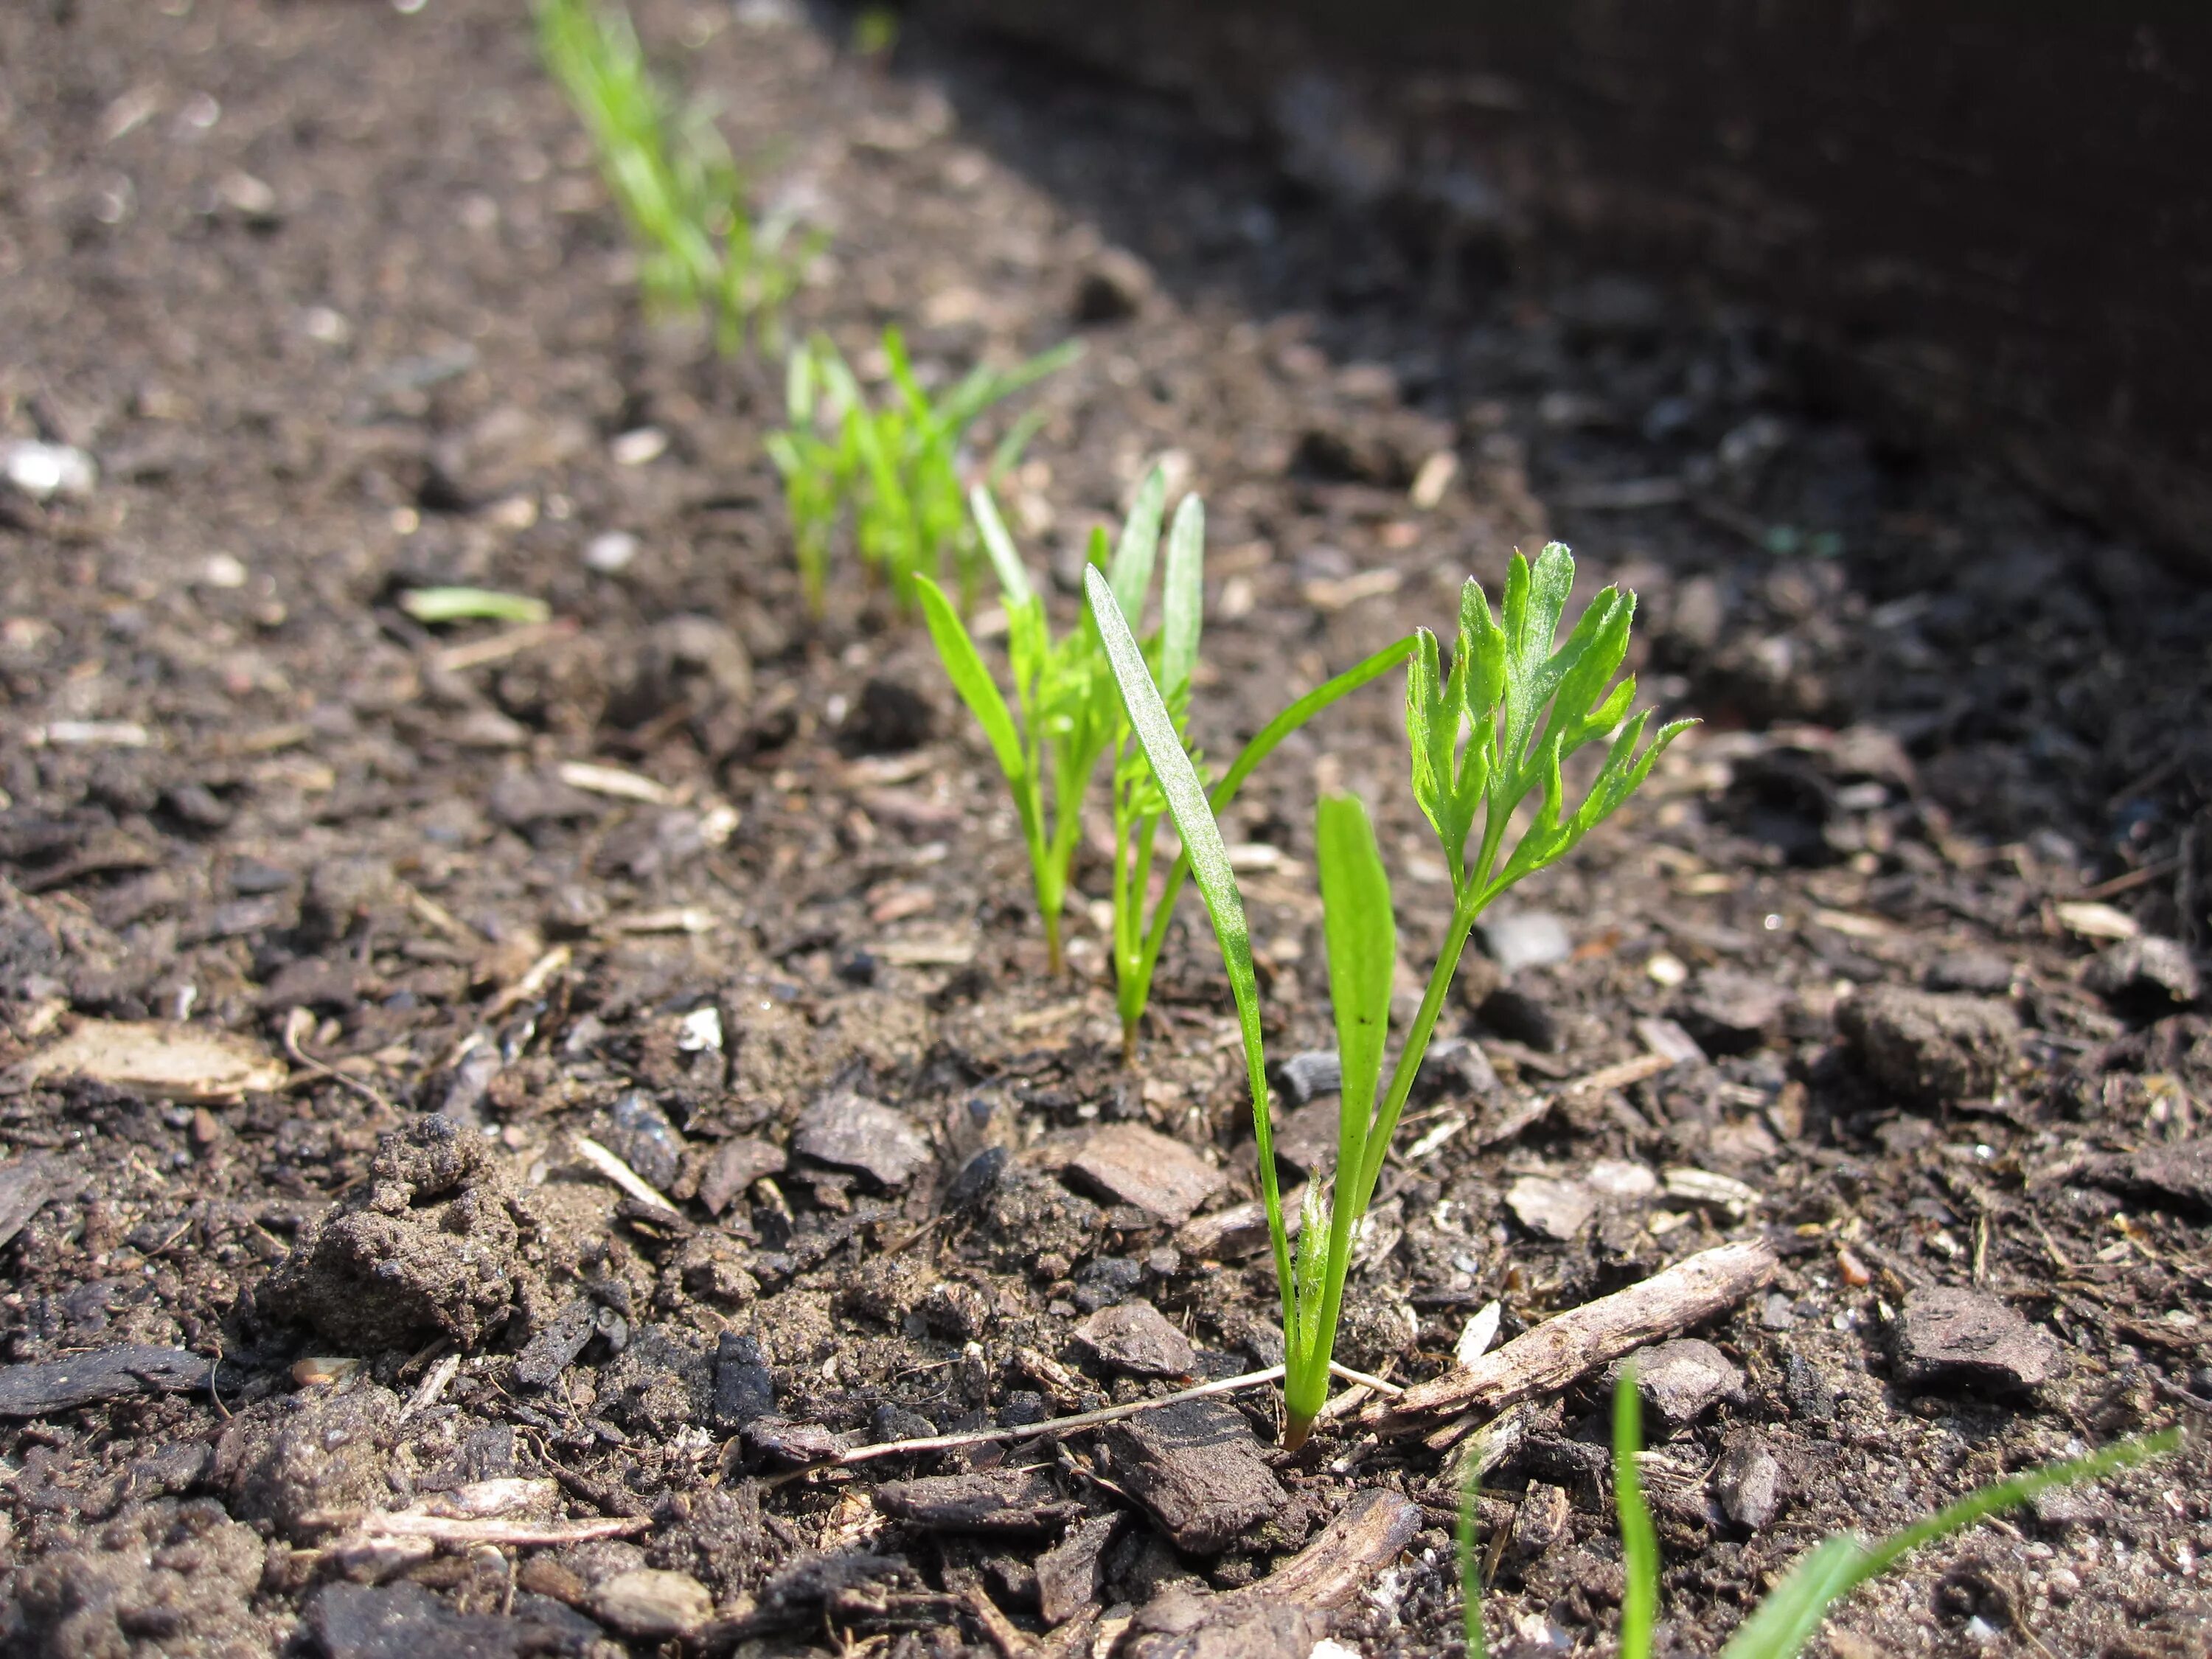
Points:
699	243
1486	737
899	466
1782	1625
1067	717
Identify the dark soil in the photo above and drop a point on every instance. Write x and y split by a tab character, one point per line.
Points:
332	295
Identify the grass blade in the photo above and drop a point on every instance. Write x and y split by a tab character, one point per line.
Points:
1639	1539
963	666
1361	938
1183	598
444	604
1470	1567
1209	868
1787	1620
1132	568
1005	562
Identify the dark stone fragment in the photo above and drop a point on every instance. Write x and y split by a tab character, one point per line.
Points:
25	1187
2178	1171
1130	1164
1809	1393
1304	1076
1227	1630
1133	1336
799	1444
891	1422
999	1500
1949	1337
1071	1574
977	1179
553	1349
1932	1048
743	1389
313	982
852	1131
1113	285
57	1385
250	878
1197	1469
659	1384
2145	977
405	1621
1682	1380
1106	1280
643	1138
1748	1483
1985	972
890	718
196	805
1730	1012
1521	1017
859	968
796	1593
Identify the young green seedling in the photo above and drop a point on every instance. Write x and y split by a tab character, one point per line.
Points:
1782	1625
1484	738
1067	717
899	465
680	190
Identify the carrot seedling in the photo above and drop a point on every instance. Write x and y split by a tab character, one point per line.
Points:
1781	1625
1486	737
699	244
899	466
1065	718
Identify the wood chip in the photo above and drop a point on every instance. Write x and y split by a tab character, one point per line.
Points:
1562	1348
613	782
158	1060
1131	1165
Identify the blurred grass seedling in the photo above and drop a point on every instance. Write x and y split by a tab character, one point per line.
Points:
701	246
446	605
1486	737
899	466
1065	717
1781	1625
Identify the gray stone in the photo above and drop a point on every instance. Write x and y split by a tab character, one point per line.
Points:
799	1444
734	1166
1133	1336
642	1136
1540	1521
1524	938
651	1603
1314	1072
1949	1337
1747	1483
1731	1013
553	1349
1131	1165
1197	1469
1556	1209
1682	1379
856	1133
2148	976
1929	1047
1180	1625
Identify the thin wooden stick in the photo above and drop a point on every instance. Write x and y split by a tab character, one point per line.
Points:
937	1442
1561	1349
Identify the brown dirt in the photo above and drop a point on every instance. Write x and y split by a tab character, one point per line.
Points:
332	296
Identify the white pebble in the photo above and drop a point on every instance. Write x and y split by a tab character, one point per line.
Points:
610	551
41	470
639	446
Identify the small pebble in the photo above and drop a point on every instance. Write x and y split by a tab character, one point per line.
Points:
651	1604
43	470
638	446
611	552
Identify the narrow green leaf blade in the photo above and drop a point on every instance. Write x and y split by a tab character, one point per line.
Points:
963	666
440	604
1005	562
1361	940
1208	859
1182	596
1639	1539
1132	568
1784	1623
